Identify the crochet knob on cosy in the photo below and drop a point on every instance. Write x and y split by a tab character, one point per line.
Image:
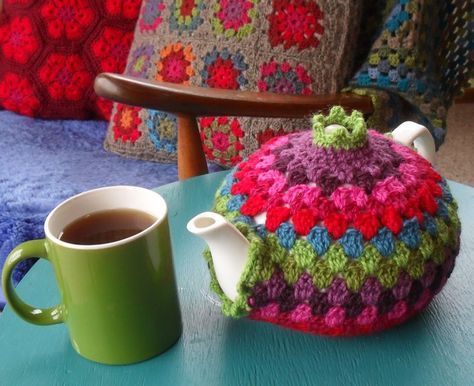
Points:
349	231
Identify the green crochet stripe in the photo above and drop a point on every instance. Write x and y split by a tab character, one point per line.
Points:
352	134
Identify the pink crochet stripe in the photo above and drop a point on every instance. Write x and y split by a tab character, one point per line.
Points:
331	325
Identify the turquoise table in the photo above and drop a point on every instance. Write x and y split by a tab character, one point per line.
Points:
435	348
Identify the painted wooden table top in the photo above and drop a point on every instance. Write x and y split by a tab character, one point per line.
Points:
434	348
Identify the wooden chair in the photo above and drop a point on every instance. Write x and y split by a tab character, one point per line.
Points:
189	102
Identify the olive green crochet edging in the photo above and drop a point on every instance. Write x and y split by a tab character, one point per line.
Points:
353	134
249	278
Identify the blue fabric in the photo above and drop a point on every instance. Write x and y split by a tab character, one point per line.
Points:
44	162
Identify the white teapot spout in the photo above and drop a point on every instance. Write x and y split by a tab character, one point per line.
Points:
229	248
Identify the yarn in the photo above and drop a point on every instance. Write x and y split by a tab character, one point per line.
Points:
298	47
362	242
351	134
422	54
51	51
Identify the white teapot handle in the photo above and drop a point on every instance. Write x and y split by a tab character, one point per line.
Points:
413	134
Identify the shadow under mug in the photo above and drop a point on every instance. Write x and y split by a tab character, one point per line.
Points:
119	300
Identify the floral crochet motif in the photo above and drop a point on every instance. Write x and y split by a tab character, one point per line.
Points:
128	9
18	40
150	17
234	17
65	76
221	138
67	18
17	94
175	64
283	79
186	15
111	49
125	123
140	61
295	23
224	70
162	130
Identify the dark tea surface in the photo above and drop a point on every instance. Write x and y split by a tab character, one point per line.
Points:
106	226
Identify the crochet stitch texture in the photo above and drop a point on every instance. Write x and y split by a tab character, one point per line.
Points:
293	47
51	51
358	232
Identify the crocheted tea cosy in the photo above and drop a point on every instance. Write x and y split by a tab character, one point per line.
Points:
349	232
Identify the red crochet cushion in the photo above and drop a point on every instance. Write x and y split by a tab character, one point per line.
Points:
51	51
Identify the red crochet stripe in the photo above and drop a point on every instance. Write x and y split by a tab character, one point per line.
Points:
392	219
336	223
276	216
318	326
367	224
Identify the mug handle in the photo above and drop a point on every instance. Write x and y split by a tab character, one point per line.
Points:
413	134
35	315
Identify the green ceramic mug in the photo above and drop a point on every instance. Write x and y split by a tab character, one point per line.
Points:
119	300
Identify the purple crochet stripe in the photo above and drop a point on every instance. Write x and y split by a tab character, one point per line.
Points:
330	168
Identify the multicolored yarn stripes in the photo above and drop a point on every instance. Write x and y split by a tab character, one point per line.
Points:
343	242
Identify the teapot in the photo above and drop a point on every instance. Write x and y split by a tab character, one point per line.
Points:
339	230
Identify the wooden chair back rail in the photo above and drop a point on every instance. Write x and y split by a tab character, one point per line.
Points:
189	102
200	101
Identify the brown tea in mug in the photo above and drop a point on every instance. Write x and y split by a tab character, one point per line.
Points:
106	226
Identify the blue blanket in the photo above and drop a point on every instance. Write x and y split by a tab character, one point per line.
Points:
44	162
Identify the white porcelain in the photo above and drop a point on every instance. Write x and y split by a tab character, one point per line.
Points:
228	248
416	135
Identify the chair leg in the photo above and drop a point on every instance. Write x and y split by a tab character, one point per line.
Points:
191	157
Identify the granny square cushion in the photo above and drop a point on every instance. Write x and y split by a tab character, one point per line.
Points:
51	51
293	47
